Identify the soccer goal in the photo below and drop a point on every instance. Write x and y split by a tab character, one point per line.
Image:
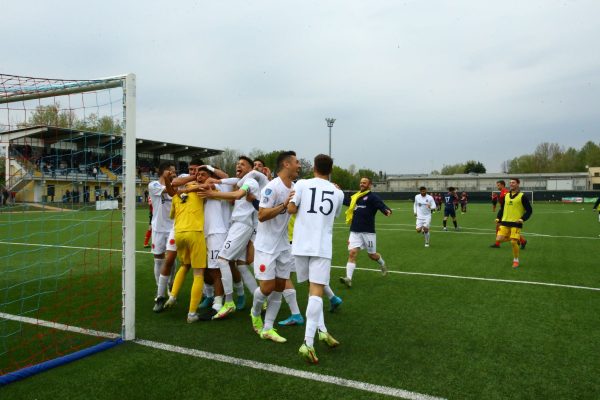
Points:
67	211
527	193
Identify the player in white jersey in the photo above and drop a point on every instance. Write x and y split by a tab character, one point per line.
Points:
161	223
422	208
273	257
240	231
317	202
217	218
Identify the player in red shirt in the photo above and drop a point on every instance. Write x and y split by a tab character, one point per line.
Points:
501	185
149	231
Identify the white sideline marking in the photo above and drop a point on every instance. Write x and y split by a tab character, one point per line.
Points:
56	325
474	278
368	387
385	390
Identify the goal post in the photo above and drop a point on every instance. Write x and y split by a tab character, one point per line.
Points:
67	271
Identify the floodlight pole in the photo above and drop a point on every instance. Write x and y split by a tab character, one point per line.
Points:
330	122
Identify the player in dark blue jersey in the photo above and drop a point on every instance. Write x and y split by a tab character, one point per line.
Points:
362	207
450	199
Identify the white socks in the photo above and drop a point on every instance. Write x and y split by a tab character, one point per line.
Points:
226	279
163	281
248	278
257	302
158	262
350	269
272	310
314	312
328	292
290	298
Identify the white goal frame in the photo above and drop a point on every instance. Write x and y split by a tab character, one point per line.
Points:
128	84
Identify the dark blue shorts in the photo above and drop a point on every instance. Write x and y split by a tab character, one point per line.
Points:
449	212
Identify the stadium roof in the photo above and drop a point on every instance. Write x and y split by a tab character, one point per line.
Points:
52	134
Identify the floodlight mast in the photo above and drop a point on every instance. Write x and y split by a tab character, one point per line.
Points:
330	122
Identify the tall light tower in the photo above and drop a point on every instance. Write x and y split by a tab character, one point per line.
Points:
330	122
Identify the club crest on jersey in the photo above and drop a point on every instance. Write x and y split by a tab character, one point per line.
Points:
268	192
262	268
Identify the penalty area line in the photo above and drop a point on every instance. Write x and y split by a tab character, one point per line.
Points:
313	376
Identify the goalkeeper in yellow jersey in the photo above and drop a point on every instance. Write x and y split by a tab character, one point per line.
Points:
516	209
188	212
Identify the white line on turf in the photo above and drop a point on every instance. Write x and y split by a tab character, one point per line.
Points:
475	278
59	326
368	387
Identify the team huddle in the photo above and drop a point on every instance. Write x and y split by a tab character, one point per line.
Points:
218	226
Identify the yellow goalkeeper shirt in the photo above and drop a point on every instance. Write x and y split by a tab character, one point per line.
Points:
188	212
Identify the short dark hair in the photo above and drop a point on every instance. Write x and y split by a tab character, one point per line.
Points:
248	159
260	160
367	178
196	161
422	188
323	164
283	156
451	189
516	180
204	168
163	166
501	182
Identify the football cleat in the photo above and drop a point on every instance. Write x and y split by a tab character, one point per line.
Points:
426	244
346	281
272	334
294	319
445	229
191	318
334	303
171	302
206	302
326	338
308	354
227	309
384	269
515	263
159	304
495	246
257	323
523	244
240	302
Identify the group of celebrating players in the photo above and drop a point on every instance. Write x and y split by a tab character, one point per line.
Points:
217	226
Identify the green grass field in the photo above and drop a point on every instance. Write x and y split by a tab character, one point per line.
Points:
454	320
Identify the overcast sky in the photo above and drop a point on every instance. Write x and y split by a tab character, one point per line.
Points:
414	85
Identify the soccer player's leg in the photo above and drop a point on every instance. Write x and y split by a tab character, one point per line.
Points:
497	243
522	242
370	242
159	247
334	301
264	270
354	245
289	295
515	236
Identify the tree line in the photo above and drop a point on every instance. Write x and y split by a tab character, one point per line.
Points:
346	178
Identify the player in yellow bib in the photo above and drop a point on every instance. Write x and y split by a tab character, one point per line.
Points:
515	210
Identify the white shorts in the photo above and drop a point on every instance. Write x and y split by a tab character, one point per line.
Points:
159	242
171	246
270	266
363	241
214	244
423	222
235	244
313	269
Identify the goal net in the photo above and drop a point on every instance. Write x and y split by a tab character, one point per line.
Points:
67	210
528	193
